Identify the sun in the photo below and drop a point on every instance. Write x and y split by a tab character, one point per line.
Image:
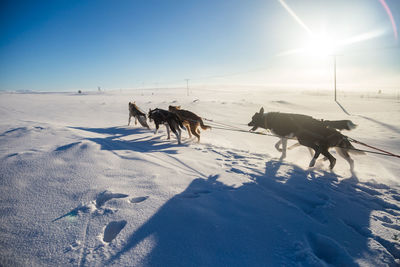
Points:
320	45
323	44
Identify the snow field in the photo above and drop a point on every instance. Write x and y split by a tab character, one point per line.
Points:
79	187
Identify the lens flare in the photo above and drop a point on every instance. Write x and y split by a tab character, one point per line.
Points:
296	18
362	37
387	9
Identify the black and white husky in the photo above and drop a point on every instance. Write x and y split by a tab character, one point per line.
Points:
169	119
315	134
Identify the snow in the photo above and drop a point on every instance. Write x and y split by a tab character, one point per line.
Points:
80	187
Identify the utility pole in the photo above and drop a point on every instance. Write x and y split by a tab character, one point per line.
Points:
187	86
334	72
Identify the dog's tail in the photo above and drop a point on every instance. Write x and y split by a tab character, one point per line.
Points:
345	144
351	125
203	126
340	124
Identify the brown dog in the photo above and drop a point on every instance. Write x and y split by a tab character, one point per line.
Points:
134	111
190	120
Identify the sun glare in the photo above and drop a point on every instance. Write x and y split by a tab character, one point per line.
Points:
320	45
323	44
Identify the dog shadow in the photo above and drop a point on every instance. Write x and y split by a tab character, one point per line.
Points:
276	218
115	138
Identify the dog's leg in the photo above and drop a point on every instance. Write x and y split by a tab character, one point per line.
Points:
167	126
331	158
316	155
342	152
135	120
157	126
310	144
278	144
189	129
193	128
175	129
298	144
179	135
284	145
129	120
293	146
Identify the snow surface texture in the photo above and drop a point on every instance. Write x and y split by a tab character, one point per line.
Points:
79	187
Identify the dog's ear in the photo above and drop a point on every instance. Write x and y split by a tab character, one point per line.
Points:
262	110
178	107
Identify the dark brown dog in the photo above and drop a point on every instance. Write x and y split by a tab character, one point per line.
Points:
191	121
308	131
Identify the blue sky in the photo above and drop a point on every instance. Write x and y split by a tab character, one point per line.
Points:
68	45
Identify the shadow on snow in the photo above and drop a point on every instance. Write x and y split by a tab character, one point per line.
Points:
145	144
271	220
277	218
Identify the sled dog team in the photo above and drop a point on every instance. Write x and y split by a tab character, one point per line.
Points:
174	119
317	135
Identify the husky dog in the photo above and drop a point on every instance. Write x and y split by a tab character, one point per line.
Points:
308	131
338	125
135	112
169	119
191	121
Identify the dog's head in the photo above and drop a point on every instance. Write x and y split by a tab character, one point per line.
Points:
257	120
154	114
174	108
131	104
